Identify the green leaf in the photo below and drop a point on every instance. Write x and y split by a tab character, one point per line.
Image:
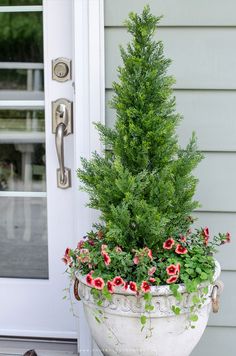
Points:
175	309
143	319
193	317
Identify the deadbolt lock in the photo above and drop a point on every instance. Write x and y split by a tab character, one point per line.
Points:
61	69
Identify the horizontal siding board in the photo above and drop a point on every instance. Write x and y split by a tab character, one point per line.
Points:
216	189
220	222
203	58
176	12
216	341
211	114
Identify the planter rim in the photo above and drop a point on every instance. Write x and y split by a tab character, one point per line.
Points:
163	290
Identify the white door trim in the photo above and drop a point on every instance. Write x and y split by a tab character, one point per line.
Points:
89	102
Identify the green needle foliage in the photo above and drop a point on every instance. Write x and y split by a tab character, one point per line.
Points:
143	184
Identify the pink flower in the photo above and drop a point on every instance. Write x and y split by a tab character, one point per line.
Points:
103	249
100	234
152	270
110	286
181	250
152	280
168	244
145	287
84	255
98	283
136	260
171	270
118	249
118	281
228	237
182	238
66	258
149	252
133	286
80	244
205	232
91	242
107	258
172	279
89	279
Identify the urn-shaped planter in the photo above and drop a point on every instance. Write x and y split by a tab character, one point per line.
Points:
165	333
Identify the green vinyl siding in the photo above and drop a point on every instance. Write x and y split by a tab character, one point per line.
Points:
199	37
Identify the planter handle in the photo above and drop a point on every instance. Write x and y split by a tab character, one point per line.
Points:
215	295
76	285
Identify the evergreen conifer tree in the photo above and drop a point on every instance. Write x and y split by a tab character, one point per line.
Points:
143	184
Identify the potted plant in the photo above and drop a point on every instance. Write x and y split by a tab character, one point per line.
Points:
145	277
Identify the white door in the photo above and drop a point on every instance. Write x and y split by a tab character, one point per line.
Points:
38	220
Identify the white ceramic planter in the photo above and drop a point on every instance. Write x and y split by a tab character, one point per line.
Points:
120	331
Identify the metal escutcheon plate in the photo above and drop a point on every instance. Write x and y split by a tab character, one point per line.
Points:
67	183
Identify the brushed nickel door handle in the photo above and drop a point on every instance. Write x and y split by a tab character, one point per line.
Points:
62	126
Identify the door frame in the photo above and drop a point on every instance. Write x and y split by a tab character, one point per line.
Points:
86	36
89	102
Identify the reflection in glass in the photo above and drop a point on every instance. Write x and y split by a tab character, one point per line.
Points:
21	37
22	167
20	2
21	120
23	236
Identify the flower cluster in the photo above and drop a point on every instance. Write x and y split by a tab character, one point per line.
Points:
180	259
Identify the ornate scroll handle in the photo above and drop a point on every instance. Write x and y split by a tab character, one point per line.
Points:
215	295
76	285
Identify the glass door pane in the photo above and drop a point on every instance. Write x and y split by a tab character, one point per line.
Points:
23	205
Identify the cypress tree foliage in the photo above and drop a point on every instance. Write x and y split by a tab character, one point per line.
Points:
143	185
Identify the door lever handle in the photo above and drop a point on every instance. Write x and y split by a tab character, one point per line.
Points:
59	140
62	126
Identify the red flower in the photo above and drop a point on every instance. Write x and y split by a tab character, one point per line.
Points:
98	283
152	280
172	279
89	279
168	244
91	242
171	270
145	287
136	260
228	237
107	258
181	250
126	285
133	286
182	238
118	281
152	270
80	244
110	286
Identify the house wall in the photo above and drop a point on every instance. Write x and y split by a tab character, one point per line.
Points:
200	39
